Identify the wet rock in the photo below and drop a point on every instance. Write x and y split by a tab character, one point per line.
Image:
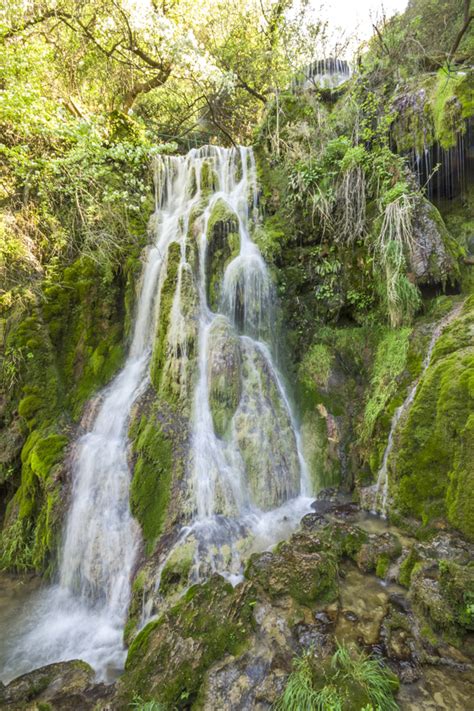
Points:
306	576
323	620
264	434
313	521
233	683
65	685
224	378
443	591
364	606
223	245
377	552
310	637
402	643
430	259
346	510
399	602
350	615
171	655
329	494
446	546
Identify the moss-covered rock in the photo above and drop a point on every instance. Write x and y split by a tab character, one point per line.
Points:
56	686
430	470
172	366
169	657
304	576
151	483
377	553
223	245
62	344
263	432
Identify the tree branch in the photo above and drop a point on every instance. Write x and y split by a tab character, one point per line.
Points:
461	33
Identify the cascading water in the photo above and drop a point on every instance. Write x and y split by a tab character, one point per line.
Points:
247	480
247	475
323	74
380	490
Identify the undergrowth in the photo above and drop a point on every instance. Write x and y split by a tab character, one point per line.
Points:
349	681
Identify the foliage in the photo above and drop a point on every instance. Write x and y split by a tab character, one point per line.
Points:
183	67
389	363
139	705
349	681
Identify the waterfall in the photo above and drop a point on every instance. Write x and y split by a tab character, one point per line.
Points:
380	490
323	74
247	484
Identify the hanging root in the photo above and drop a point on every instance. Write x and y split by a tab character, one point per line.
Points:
397	225
394	241
351	203
321	209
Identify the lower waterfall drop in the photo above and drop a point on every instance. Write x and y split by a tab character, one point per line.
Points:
83	615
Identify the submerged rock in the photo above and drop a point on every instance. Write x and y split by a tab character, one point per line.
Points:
264	433
224	376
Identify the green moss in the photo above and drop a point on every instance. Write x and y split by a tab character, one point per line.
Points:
224	374
316	366
46	453
223	244
32	519
29	406
91	337
272	237
431	473
159	663
174	575
457	586
406	568
208	177
150	486
306	566
168	289
459	496
389	364
382	566
453	102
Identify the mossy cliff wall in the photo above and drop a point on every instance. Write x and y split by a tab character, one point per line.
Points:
431	470
61	342
354	348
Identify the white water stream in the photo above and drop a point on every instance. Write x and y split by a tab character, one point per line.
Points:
250	484
250	487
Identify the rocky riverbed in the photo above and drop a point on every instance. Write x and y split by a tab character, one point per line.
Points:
345	576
